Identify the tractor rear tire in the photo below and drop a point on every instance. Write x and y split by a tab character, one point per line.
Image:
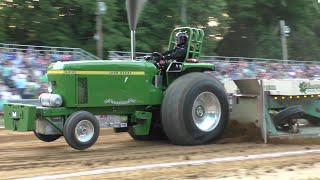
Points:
195	109
46	138
81	130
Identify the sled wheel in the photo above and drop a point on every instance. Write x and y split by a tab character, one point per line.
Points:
285	118
46	138
81	130
315	121
195	109
156	131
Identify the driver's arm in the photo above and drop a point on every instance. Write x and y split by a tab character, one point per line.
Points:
168	52
179	54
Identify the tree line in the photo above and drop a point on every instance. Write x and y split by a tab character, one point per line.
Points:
248	28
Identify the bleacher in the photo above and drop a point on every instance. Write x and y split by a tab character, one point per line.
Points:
243	67
23	69
31	71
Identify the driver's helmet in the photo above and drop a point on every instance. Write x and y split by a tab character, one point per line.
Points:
181	38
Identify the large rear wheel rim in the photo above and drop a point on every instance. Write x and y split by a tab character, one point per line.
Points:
84	131
206	111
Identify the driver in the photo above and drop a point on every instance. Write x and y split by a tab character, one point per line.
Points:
178	53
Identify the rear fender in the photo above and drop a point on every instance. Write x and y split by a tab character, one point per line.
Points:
176	69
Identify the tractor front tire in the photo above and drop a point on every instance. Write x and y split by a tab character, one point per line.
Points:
195	109
81	130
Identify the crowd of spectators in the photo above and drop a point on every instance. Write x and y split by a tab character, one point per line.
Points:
226	71
23	72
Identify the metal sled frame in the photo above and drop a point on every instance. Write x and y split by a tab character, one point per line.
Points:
253	102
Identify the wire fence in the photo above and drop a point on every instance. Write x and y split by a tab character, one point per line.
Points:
255	60
76	52
126	55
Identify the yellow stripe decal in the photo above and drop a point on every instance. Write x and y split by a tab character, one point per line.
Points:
97	72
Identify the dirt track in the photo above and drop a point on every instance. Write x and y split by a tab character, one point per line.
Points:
22	155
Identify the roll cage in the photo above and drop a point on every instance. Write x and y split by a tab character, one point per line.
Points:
195	41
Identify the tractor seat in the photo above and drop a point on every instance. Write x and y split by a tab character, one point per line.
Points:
190	60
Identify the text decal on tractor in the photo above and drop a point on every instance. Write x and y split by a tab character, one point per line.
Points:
98	72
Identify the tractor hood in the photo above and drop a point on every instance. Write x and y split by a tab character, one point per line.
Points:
104	83
99	65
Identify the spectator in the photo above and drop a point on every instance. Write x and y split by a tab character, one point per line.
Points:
6	72
15	95
66	56
3	55
25	70
11	55
19	58
32	88
2	102
6	95
55	56
3	87
20	81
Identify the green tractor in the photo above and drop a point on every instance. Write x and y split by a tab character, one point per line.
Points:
182	104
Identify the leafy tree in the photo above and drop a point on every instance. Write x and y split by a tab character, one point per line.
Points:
237	28
159	18
254	31
2	30
72	23
54	23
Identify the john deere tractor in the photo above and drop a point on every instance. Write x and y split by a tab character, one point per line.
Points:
183	103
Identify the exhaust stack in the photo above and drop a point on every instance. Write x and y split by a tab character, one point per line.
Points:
134	7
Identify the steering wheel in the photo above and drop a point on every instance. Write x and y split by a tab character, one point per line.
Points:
157	54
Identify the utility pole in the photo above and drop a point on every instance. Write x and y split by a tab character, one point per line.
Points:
101	9
184	13
284	31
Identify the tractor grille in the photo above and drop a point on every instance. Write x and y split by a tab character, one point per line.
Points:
82	90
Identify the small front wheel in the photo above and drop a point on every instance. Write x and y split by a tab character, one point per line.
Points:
81	130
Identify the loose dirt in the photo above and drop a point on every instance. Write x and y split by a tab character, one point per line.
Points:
23	155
